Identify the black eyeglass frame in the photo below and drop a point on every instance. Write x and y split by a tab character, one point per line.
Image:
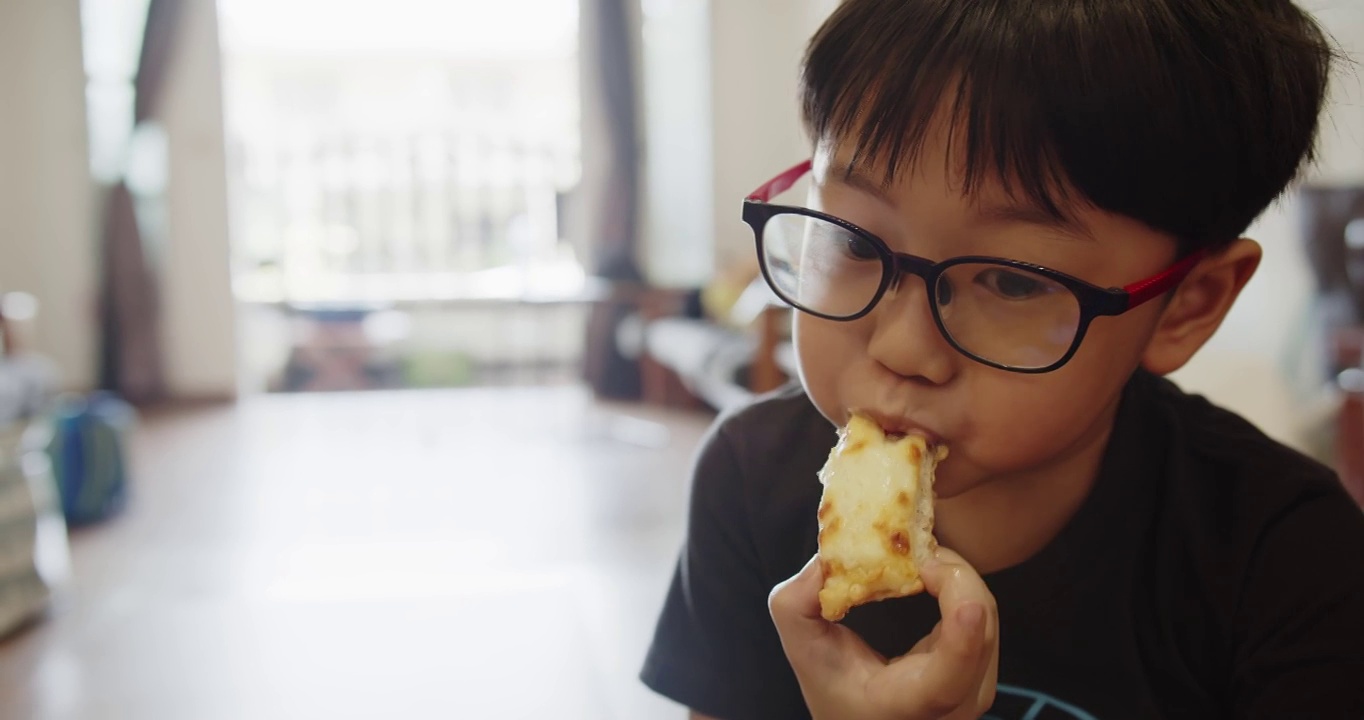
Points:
1093	300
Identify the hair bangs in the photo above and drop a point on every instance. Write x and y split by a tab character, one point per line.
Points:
883	90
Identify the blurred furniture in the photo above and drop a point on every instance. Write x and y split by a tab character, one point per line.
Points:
333	349
496	327
615	364
1348	352
33	548
661	383
27	379
1333	233
688	358
1333	230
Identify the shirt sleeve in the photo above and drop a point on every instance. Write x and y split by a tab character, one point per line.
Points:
715	648
1300	622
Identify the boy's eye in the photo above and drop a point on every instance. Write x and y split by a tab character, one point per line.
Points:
1012	284
858	247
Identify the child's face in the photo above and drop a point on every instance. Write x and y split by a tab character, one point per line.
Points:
895	364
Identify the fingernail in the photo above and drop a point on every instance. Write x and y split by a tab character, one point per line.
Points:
970	615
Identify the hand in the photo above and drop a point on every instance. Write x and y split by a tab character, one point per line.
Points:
950	674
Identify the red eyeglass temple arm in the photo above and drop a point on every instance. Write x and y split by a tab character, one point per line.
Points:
780	183
1153	287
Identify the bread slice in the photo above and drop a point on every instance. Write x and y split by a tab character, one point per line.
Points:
876	516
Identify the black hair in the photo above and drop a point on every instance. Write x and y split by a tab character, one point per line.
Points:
1190	116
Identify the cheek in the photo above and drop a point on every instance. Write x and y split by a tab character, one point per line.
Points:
1114	345
1019	421
824	353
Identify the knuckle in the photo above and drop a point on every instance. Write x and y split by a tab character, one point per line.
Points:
774	600
779	599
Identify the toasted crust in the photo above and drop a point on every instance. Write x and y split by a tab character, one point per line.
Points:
876	517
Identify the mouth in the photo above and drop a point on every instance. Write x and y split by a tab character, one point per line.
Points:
896	428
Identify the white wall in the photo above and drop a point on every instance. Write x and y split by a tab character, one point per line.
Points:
720	118
46	198
1342	141
679	158
755	55
198	313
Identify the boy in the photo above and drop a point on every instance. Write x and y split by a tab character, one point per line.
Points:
1023	214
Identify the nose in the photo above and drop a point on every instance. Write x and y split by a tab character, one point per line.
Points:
906	339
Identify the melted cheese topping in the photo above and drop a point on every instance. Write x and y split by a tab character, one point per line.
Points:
875	518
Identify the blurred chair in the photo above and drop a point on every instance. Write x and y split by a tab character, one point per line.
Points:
718	362
336	347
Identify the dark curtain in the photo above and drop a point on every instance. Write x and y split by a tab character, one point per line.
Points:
130	345
610	33
617	219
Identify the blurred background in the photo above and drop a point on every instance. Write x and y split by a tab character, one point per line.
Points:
352	353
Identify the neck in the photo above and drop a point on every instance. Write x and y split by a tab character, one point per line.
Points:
1005	520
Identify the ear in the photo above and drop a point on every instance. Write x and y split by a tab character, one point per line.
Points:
1197	307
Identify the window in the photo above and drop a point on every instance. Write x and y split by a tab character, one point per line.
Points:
390	150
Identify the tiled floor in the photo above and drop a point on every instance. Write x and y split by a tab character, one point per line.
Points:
464	554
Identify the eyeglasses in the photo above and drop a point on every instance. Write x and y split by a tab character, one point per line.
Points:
1004	313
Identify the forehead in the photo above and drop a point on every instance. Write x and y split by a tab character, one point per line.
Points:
938	171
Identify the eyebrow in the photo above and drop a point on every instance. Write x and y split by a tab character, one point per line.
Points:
859	179
1030	215
999	214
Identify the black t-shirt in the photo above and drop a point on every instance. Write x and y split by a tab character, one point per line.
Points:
1210	573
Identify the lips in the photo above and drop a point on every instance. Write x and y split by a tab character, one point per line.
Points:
895	426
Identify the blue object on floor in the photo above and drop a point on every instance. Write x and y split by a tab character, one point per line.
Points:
89	456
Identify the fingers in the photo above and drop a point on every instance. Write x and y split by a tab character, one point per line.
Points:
966	648
952	580
813	645
951	671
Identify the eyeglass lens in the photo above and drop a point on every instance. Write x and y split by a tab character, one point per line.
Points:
1000	313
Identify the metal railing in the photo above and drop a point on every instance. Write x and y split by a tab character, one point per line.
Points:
416	215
